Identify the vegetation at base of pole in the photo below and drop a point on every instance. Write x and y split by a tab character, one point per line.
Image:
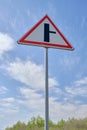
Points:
37	123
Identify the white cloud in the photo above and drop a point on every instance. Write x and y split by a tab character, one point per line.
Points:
29	93
34	103
57	110
81	82
80	91
3	90
8	105
32	100
65	111
10	99
6	43
29	73
78	88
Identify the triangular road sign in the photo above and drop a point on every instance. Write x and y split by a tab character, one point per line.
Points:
45	34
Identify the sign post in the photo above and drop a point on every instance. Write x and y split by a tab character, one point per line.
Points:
46	91
47	35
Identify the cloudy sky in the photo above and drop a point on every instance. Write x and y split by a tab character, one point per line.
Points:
22	67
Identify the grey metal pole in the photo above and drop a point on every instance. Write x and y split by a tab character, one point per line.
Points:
46	91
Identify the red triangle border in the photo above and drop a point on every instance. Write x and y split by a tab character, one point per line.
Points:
45	44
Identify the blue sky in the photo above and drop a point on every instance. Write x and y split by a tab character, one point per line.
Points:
22	67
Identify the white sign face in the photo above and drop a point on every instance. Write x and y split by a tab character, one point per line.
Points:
45	34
